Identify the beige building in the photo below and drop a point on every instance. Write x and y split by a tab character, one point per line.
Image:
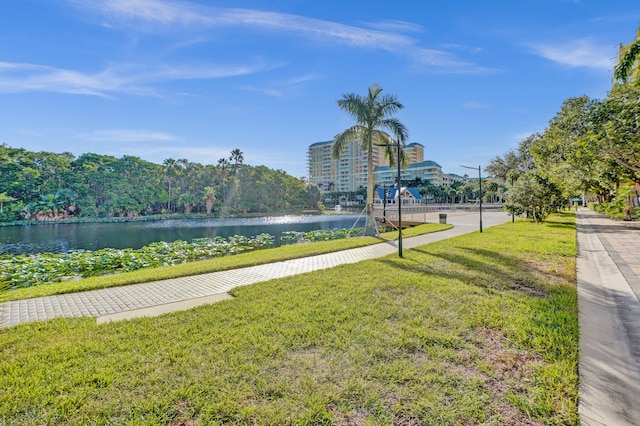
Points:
349	173
414	152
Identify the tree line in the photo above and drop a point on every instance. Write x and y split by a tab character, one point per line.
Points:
463	191
51	186
590	150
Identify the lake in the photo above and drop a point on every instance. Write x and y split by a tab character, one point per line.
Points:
61	238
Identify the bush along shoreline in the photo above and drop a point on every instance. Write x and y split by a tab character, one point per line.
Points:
29	270
20	271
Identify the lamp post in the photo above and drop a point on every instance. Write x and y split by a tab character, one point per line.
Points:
384	204
480	194
399	197
513	210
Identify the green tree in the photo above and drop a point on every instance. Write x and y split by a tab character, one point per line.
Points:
50	206
620	136
535	196
171	171
492	190
373	115
4	198
67	199
188	200
313	196
237	157
514	162
628	62
565	152
627	192
209	197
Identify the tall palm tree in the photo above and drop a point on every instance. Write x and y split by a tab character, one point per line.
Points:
188	200
237	158
373	116
629	61
170	168
209	197
223	164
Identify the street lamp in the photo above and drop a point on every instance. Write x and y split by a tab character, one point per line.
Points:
398	145
384	204
513	210
480	195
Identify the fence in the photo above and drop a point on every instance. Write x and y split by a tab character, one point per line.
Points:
425	213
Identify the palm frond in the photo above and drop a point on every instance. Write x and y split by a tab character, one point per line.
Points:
354	105
628	62
396	128
342	139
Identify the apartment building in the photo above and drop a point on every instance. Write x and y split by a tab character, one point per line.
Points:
346	174
350	172
414	153
427	171
450	179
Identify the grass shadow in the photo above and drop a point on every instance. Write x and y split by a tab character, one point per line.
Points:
487	269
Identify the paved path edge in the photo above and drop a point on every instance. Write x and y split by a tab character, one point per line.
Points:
609	383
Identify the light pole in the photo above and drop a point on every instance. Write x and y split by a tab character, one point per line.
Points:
384	204
480	194
399	197
513	210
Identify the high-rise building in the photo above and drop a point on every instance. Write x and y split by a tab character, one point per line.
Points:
414	153
349	173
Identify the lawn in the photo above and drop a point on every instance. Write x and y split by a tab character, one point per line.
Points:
478	329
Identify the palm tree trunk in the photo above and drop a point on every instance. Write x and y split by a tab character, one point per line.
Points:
370	229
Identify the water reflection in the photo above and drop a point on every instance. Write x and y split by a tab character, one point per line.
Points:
61	238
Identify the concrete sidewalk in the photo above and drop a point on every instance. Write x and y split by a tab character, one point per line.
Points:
159	297
608	274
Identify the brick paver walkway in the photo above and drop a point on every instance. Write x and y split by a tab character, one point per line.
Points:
622	241
110	301
609	303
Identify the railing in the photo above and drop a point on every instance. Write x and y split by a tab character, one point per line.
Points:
420	212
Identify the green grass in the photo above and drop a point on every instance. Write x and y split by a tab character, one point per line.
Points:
253	258
478	329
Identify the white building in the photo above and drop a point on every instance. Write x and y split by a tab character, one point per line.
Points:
349	173
428	171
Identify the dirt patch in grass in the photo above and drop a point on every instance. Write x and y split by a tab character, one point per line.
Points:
505	369
538	276
552	271
527	287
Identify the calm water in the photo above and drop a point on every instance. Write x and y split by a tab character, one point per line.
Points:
61	238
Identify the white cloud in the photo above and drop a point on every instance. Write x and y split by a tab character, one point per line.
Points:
127	135
439	61
264	90
130	79
582	53
167	14
150	11
141	80
170	13
20	77
394	25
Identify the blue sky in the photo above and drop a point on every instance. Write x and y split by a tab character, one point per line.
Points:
195	79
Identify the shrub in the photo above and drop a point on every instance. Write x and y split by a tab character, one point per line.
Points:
29	270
